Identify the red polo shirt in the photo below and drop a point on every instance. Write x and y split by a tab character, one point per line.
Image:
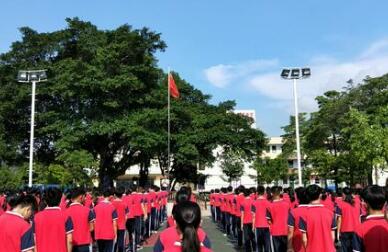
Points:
88	200
293	221
277	212
137	201
259	208
122	212
81	216
16	234
238	200
51	226
127	199
372	235
246	207
105	216
350	216
318	222
217	200
169	240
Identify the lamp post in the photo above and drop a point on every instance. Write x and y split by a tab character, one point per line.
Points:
34	77
294	74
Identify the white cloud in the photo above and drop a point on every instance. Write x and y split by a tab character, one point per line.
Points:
221	75
327	74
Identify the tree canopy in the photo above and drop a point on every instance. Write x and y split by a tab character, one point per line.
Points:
104	106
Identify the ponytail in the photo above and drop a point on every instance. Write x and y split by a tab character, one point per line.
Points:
348	196
190	241
187	215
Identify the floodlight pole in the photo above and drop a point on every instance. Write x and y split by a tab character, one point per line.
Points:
297	135
31	161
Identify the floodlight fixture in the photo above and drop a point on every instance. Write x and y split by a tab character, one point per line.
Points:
306	72
285	73
32	76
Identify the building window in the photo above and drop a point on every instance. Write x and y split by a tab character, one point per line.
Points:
273	148
290	164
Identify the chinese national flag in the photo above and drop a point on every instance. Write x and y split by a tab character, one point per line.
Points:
173	88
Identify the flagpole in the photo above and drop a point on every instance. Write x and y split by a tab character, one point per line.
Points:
168	127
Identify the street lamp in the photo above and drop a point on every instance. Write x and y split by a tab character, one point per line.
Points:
294	74
33	76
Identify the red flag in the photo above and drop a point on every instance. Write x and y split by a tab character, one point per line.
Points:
173	88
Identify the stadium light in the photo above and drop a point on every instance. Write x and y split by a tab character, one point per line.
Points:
34	77
294	74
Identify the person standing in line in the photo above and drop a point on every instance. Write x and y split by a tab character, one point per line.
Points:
317	224
295	242
261	226
349	215
247	222
105	230
122	211
186	236
277	215
372	234
83	221
16	234
53	228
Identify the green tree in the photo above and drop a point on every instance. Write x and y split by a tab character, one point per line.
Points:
270	170
232	165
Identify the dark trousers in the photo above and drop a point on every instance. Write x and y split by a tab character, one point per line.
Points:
82	248
120	243
263	240
138	229
233	219
227	223
347	239
130	225
279	243
212	209
218	214
249	238
239	231
105	245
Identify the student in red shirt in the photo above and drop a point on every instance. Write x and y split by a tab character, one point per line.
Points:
247	222
187	236
211	203
238	199
53	227
122	211
16	234
105	229
372	234
217	205
261	227
349	215
130	224
83	221
317	224
277	214
295	242
140	213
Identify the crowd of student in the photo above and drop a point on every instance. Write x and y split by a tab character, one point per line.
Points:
307	219
51	221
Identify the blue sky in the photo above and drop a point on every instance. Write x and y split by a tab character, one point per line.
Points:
236	49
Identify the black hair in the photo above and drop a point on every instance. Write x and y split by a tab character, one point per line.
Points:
212	191
23	200
107	192
187	215
217	190
230	189
347	192
236	191
223	190
253	189
247	192
291	193
301	194
260	190
313	192
52	197
182	195
119	191
374	196
275	190
76	192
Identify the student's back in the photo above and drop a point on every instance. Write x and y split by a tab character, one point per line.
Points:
318	222
170	241
81	216
350	216
278	211
51	226
105	215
